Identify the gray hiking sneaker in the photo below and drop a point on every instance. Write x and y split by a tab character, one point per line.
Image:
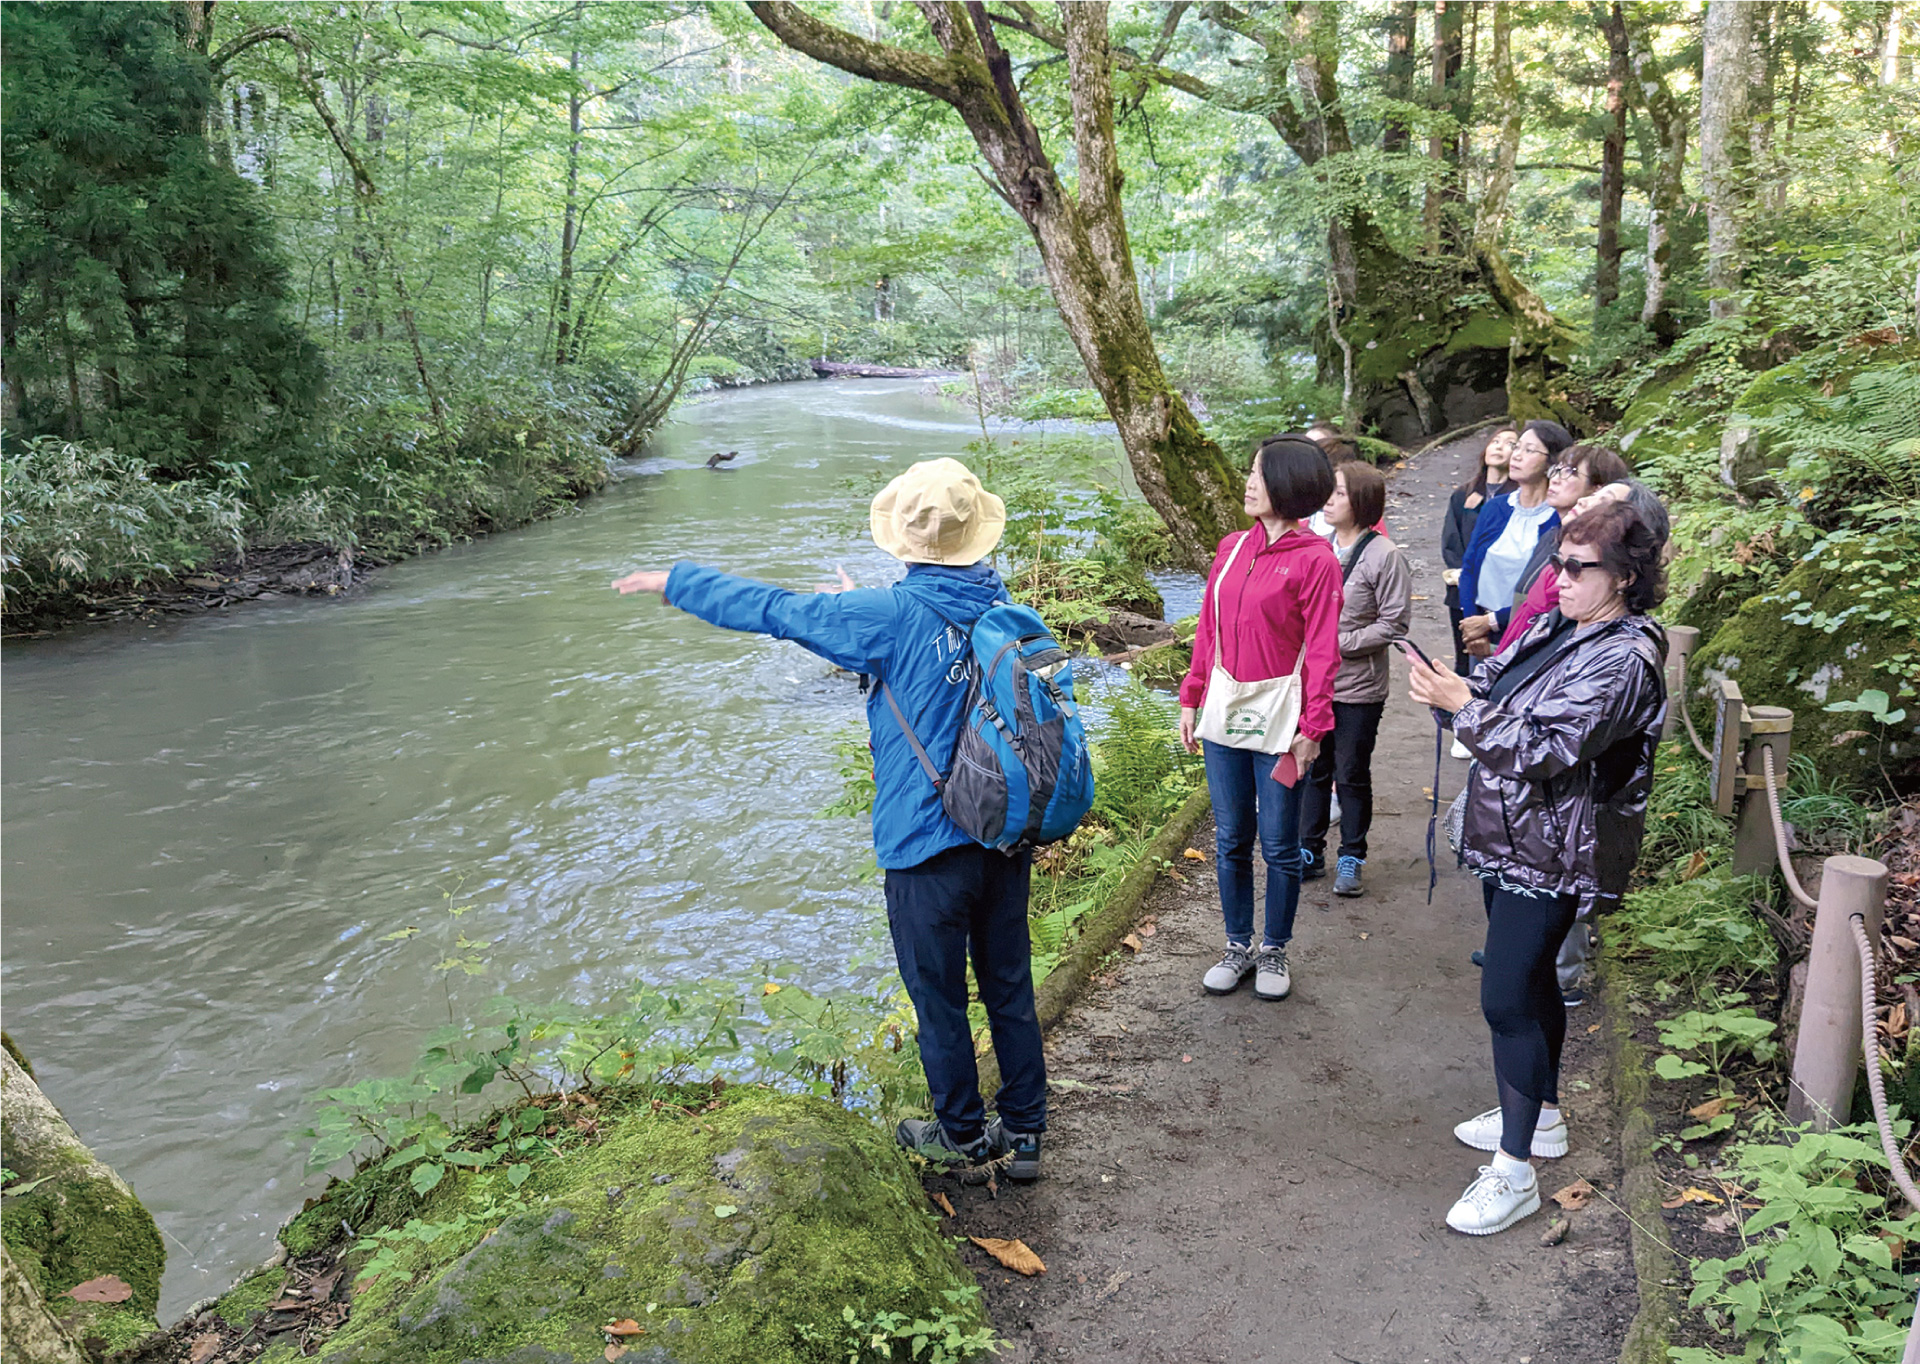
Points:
969	1162
1347	882
1225	978
1021	1148
1271	979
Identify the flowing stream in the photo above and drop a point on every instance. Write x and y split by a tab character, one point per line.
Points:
212	824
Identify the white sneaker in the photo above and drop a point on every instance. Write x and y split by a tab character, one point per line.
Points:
1483	1134
1271	979
1225	978
1494	1202
1460	750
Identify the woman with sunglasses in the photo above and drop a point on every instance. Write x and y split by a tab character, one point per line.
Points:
1562	728
1504	537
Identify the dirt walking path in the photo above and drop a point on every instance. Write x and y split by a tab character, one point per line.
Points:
1234	1180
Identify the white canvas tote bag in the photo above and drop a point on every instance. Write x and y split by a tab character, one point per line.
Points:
1262	716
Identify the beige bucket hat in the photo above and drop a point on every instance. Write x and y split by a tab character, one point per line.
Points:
937	513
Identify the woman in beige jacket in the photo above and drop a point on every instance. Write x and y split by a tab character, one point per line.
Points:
1377	608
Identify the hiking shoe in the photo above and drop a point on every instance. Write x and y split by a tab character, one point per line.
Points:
969	1162
1483	1134
1271	979
1494	1202
1573	998
1234	964
1477	957
1348	881
1313	866
1022	1147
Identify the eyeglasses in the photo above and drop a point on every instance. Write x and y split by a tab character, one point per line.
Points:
1564	471
1572	567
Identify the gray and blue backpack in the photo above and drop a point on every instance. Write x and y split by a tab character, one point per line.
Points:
1021	774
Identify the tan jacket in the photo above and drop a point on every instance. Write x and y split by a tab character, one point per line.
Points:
1377	609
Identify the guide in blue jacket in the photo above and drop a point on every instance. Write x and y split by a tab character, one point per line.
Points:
945	893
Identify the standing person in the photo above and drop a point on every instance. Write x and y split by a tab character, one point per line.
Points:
1563	728
1463	513
1597	476
1581	471
1504	536
1271	609
949	899
1376	609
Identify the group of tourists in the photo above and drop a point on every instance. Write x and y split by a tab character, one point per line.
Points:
1556	697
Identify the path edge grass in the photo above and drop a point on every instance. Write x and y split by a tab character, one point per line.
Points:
1103	928
1654	1266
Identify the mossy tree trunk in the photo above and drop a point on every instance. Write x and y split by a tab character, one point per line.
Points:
1081	231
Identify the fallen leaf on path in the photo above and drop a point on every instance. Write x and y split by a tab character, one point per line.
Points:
1194	855
1592	1028
1575	1196
1147	930
1132	942
942	1202
106	1288
613	1352
1555	1233
1417	599
1905	944
1897	1020
1714	1107
1114	1280
1364	936
1185	1059
1722	1222
1695	865
626	1326
1013	1254
203	1348
1692	1195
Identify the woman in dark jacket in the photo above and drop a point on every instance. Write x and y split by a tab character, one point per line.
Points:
1562	727
1463	510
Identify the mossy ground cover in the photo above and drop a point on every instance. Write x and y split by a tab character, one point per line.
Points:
738	1231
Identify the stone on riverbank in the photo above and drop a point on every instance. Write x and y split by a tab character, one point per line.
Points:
75	1221
729	1236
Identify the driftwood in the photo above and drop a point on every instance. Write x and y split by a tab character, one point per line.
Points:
833	369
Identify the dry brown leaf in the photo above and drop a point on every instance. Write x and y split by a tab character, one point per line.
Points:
1712	1108
626	1326
1416	598
942	1202
1013	1254
1556	1232
1897	1020
613	1352
1132	942
203	1347
1147	930
1695	865
1692	1195
1723	1223
1575	1196
106	1288
1592	1028
1194	855
1904	944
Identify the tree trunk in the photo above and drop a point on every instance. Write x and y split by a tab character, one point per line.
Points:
1082	237
1890	51
1667	194
569	221
1492	214
1402	25
1445	188
1727	54
1613	159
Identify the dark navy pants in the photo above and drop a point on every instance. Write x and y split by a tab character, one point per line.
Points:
971	901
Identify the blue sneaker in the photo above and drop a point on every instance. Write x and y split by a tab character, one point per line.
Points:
1348	881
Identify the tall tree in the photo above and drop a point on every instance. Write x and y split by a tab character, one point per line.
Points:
1667	192
1081	230
1613	154
1728	51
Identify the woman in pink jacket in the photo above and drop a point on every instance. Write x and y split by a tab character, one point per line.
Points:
1278	588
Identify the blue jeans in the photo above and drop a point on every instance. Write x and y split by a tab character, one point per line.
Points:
1246	798
965	900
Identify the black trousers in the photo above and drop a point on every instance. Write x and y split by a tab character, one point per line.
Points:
1520	997
1346	762
1462	660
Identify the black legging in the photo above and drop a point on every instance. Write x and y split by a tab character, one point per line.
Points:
1520	997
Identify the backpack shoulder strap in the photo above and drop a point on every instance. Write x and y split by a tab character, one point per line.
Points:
1353	559
1234	553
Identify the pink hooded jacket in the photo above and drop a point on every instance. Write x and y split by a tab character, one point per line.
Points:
1542	597
1286	592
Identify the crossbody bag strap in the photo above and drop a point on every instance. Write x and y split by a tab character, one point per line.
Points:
1353	559
933	773
1233	554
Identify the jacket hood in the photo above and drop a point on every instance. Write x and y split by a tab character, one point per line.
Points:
959	594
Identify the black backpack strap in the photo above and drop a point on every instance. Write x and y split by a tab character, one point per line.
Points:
1353	559
933	773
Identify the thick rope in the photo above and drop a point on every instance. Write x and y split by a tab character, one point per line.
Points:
1780	835
1876	1083
1687	715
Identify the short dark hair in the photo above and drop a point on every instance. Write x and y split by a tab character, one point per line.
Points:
1366	492
1599	465
1552	435
1295	470
1628	550
1339	448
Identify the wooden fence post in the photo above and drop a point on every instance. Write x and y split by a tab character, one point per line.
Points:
1682	640
1826	1053
1753	843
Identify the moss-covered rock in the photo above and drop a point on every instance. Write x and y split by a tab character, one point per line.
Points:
76	1220
1777	647
255	1292
739	1235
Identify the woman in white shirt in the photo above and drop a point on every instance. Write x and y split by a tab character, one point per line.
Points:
1504	537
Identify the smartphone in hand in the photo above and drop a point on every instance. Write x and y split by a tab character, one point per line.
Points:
1413	651
1286	770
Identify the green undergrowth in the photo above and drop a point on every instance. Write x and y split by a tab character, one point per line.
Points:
746	1224
1817	1268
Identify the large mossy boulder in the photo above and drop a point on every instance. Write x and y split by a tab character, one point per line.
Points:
736	1236
73	1222
1778	646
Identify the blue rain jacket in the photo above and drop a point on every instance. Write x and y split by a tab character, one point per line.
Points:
903	634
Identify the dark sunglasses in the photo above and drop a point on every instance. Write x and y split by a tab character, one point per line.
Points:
1572	567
